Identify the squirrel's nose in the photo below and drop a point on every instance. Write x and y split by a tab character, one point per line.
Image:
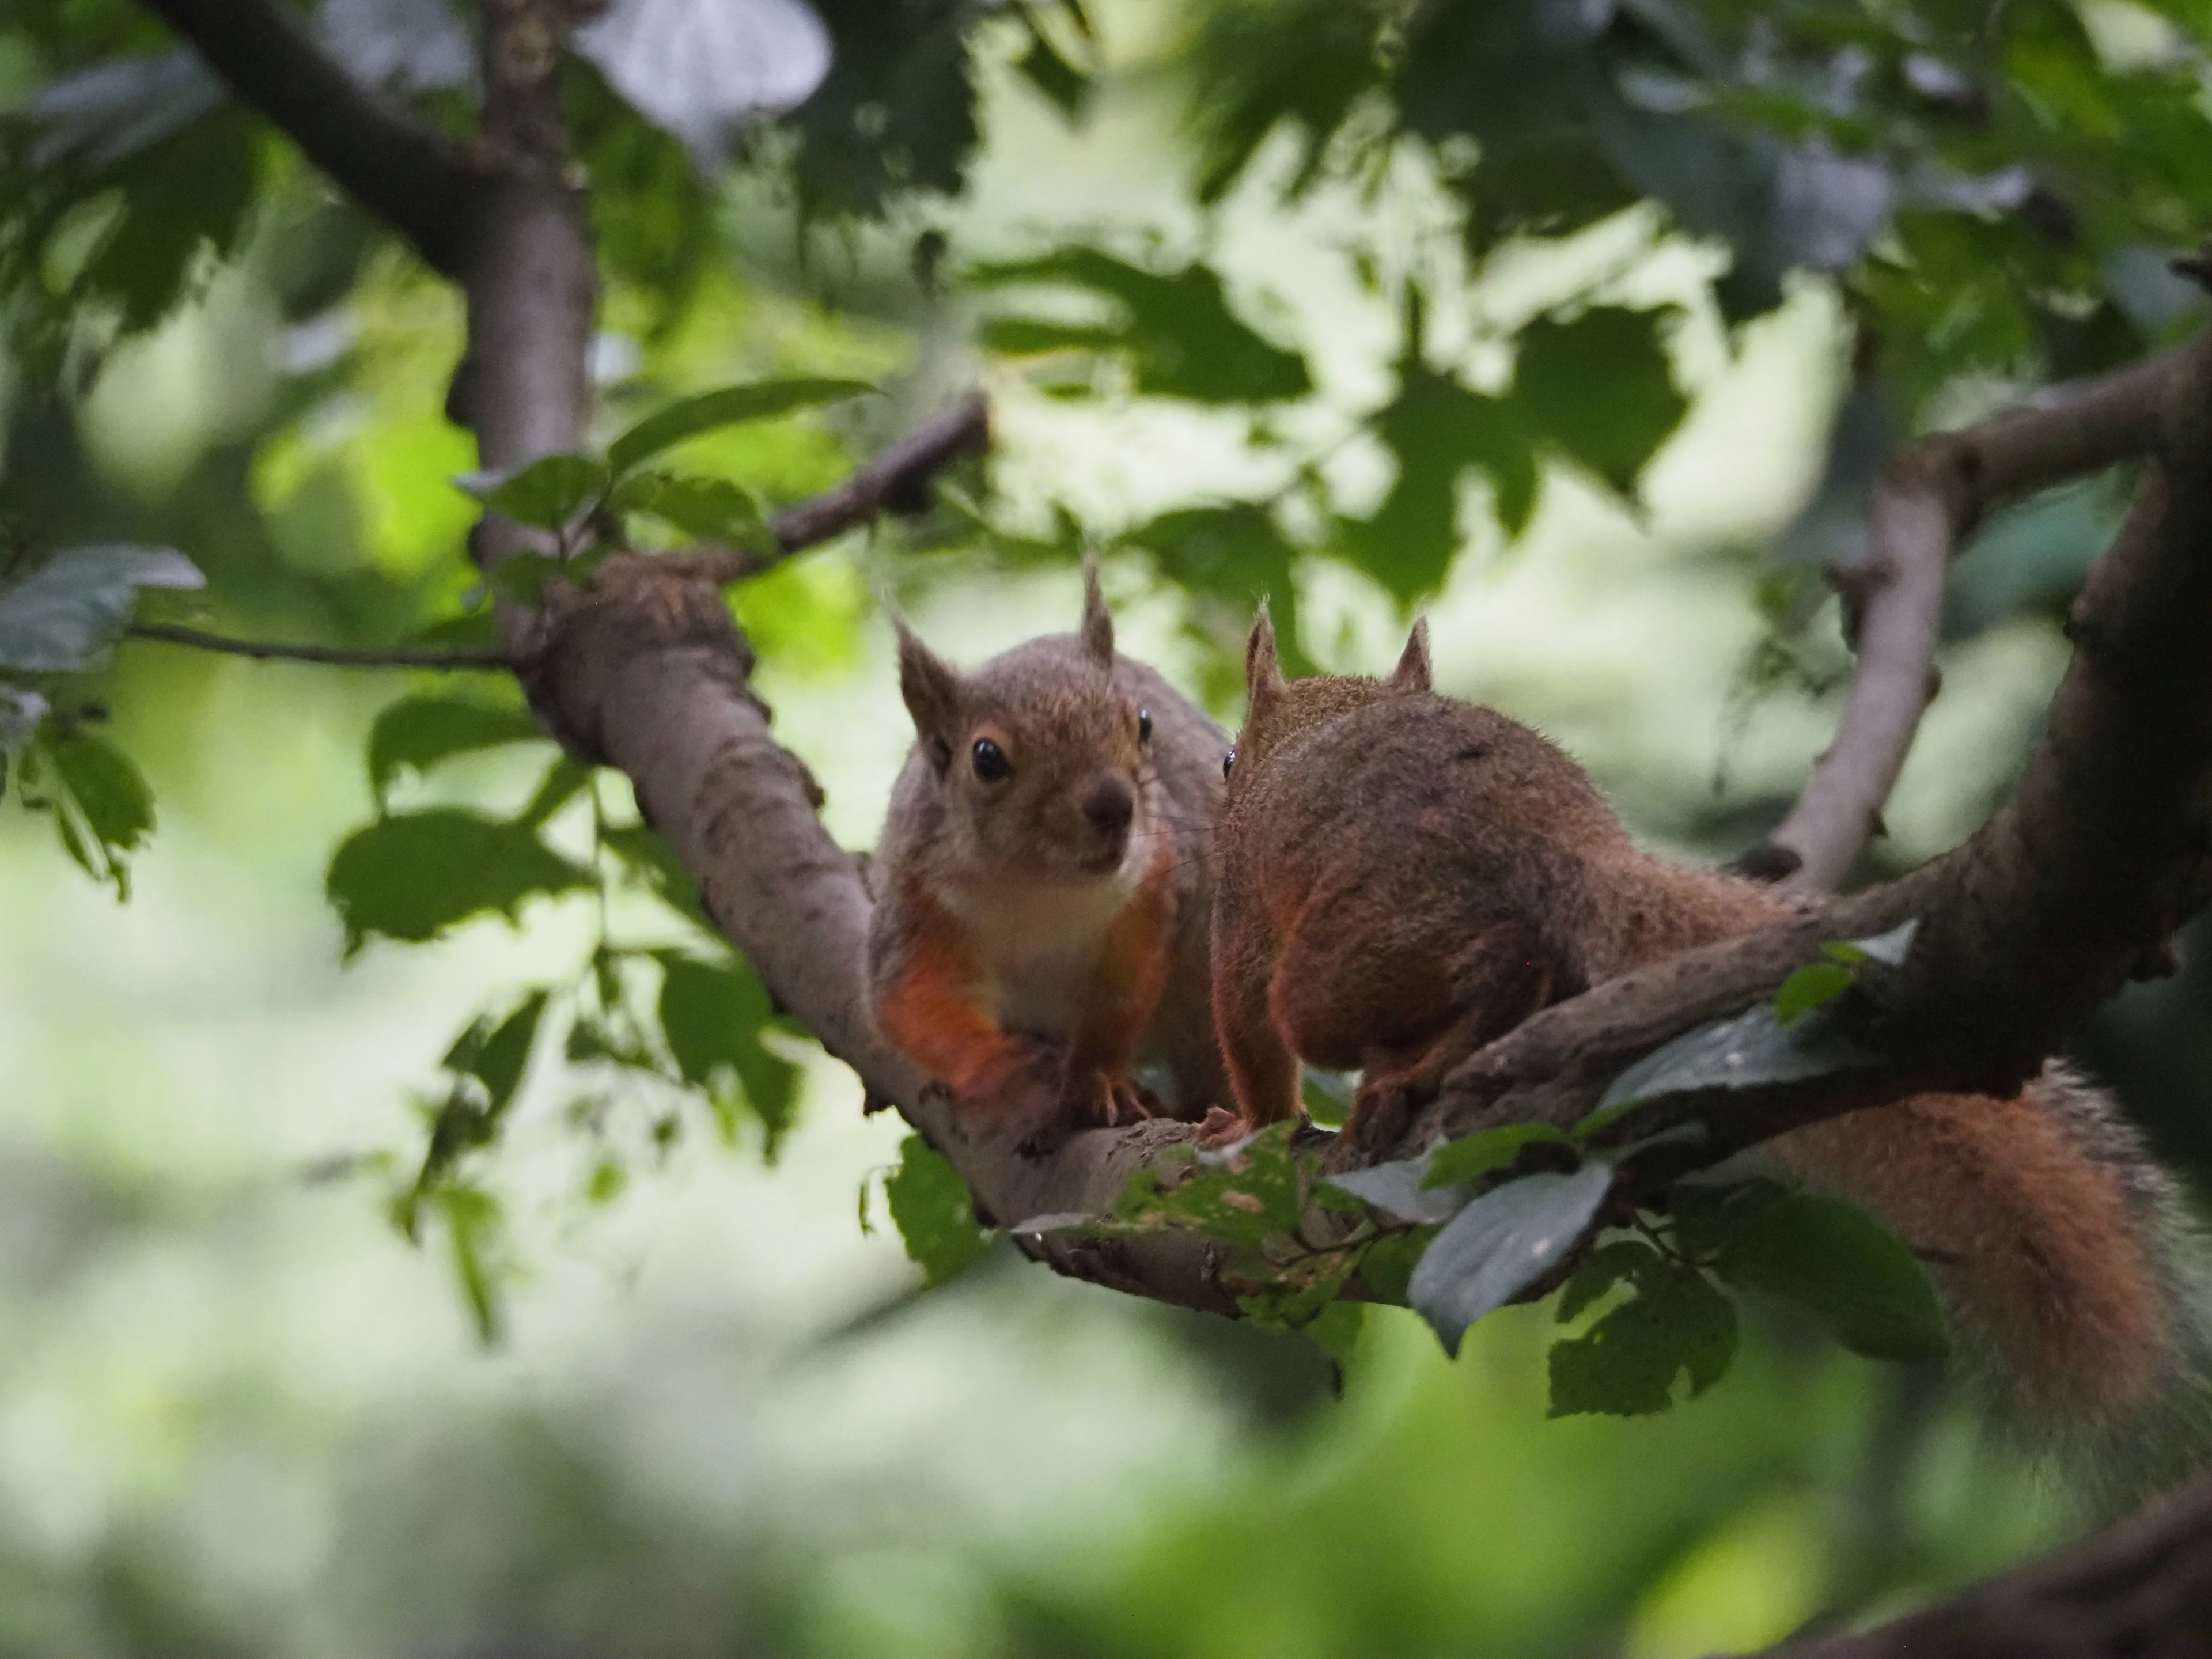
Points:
1110	803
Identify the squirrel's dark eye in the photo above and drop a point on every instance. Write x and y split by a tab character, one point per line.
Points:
1228	762
1143	725
991	762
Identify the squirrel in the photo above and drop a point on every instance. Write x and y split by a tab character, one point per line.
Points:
1043	883
1401	877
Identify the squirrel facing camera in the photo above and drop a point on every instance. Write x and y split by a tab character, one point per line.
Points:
1043	882
1402	878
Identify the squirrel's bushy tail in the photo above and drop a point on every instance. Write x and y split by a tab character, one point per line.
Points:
2076	1276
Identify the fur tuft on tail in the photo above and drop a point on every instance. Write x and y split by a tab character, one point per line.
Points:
2076	1276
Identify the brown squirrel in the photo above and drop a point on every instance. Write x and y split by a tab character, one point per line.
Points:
1044	882
1401	877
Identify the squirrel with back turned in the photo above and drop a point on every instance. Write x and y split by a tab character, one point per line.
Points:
1043	885
1402	878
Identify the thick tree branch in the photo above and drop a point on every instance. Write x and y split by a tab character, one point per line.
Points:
399	169
1929	497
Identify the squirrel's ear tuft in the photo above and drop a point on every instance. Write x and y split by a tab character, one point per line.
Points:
930	685
1097	633
1263	674
1412	673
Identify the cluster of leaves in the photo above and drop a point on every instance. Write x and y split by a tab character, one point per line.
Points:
1509	1213
646	1026
59	622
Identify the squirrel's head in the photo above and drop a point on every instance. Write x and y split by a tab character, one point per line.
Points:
1040	758
1277	709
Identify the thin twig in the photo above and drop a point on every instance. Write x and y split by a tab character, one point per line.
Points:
1929	498
334	655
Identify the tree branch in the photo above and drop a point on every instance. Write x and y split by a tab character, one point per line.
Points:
401	170
337	655
2142	1590
1929	497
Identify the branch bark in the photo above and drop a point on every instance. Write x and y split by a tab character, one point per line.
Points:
402	171
1929	497
334	655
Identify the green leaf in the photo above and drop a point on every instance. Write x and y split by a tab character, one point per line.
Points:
1177	327
418	733
474	1228
61	617
411	876
496	1053
1835	1264
548	493
759	400
1601	389
934	1214
648	856
1401	1191
1744	1051
106	811
1068	87
712	509
1626	1364
1625	1259
1471	1157
1811	987
1243	1194
564	781
1328	1096
712	1016
1502	1244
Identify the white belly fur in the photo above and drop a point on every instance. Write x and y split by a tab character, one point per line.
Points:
1041	942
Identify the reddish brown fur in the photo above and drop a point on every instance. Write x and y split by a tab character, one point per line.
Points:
1403	877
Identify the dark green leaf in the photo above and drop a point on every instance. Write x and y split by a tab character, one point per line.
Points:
1601	389
108	810
1625	1365
564	781
548	493
59	619
1401	1191
1837	1265
1469	1157
653	861
757	401
1625	1259
473	1226
1177	327
1068	87
712	1016
712	509
496	1053
418	732
412	876
1744	1051
934	1214
1502	1244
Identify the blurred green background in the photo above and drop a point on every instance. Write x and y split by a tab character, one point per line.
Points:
241	1415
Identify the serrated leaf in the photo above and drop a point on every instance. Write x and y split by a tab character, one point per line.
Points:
934	1215
418	733
1626	1364
759	400
548	493
1840	1267
712	509
1600	387
1601	1269
413	875
497	1053
1502	1244
61	617
712	1015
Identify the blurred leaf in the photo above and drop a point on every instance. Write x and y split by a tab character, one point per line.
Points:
935	1216
1502	1244
712	1016
1622	1261
1601	389
548	493
1625	1365
497	1052
1830	1261
564	781
59	619
411	876
103	808
180	198
21	712
1181	337
418	733
701	68
712	509
649	856
731	405
99	115
1812	986
1066	87
409	45
1236	553
473	1226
